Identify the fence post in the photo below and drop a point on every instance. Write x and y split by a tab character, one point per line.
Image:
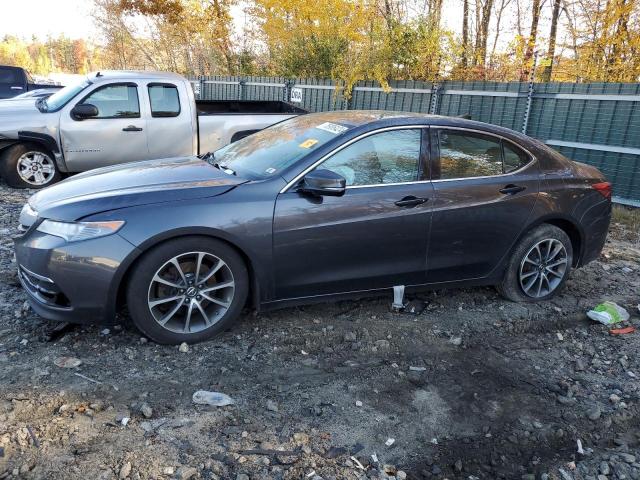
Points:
435	89
346	102
530	92
242	84
288	85
202	84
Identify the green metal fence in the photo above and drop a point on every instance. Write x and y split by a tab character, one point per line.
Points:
595	123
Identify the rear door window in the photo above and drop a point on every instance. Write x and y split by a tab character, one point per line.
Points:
164	100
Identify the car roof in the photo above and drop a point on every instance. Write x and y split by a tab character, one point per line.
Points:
132	75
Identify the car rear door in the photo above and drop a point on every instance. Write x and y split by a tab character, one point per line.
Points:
116	135
485	188
374	236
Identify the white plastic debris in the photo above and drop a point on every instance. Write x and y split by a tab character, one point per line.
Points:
124	421
417	369
580	449
390	441
608	313
215	399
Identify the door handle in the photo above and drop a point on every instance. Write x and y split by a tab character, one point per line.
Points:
132	128
410	201
512	189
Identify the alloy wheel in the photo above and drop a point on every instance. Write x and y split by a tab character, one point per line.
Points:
543	268
191	292
35	168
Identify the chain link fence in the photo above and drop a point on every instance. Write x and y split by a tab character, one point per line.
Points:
594	123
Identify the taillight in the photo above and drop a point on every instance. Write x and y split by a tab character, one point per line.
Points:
604	188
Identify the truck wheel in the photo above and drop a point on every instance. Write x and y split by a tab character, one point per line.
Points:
28	165
187	290
539	266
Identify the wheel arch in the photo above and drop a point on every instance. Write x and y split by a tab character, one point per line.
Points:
569	226
118	290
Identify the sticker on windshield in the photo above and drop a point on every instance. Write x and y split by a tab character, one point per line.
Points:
332	128
270	170
310	142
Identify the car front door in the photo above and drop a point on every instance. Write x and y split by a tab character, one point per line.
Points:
116	134
374	236
485	188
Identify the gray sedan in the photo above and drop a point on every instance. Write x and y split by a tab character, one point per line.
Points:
319	207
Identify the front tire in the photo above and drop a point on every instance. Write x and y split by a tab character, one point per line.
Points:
187	290
539	265
28	165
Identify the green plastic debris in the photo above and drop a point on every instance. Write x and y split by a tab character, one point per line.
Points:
608	313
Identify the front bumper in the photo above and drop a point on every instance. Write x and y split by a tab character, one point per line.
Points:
72	282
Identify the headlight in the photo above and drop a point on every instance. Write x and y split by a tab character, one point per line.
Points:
75	231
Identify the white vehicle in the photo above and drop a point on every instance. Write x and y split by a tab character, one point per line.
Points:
116	116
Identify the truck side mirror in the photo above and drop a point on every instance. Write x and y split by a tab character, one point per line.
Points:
84	110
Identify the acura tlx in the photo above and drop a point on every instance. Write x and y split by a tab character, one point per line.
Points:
318	207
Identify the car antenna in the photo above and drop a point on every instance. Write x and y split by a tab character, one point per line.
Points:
98	74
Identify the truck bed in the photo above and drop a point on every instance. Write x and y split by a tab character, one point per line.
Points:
246	107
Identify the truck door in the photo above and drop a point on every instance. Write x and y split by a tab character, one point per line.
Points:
117	134
170	131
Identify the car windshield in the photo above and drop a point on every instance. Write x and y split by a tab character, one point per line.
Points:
62	96
274	149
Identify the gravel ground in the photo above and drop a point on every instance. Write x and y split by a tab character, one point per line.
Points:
472	387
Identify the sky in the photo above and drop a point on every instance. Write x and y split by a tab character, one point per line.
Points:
47	17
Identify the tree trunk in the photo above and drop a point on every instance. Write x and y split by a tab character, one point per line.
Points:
551	50
465	37
531	43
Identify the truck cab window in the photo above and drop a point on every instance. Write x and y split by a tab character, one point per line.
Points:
115	101
164	100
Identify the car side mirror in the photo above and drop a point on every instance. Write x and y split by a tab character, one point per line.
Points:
323	183
84	110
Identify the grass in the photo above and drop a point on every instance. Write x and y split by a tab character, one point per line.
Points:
629	219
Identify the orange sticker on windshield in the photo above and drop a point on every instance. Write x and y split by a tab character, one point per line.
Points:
308	143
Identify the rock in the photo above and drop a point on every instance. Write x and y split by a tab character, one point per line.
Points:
457	341
272	406
594	413
358	403
125	471
350	337
613	398
401	475
603	468
214	399
242	476
414	307
301	438
627	457
146	410
183	348
580	365
560	337
185	473
168	471
383	344
67	362
458	466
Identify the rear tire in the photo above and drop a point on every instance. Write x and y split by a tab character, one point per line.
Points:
28	165
539	265
187	290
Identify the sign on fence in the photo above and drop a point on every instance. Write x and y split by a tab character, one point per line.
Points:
296	95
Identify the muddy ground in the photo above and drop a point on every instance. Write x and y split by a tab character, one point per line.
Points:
472	387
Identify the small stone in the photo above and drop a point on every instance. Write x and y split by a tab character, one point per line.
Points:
125	471
358	403
183	348
560	337
67	362
383	344
604	468
457	341
146	410
401	475
168	470
581	365
242	476
458	465
627	457
105	331
185	473
350	337
390	441
594	413
272	406
613	398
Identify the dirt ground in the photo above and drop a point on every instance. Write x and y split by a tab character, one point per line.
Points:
472	387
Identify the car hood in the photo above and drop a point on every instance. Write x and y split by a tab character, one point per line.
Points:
132	184
20	114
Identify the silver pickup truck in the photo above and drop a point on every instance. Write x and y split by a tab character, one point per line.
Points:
120	116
